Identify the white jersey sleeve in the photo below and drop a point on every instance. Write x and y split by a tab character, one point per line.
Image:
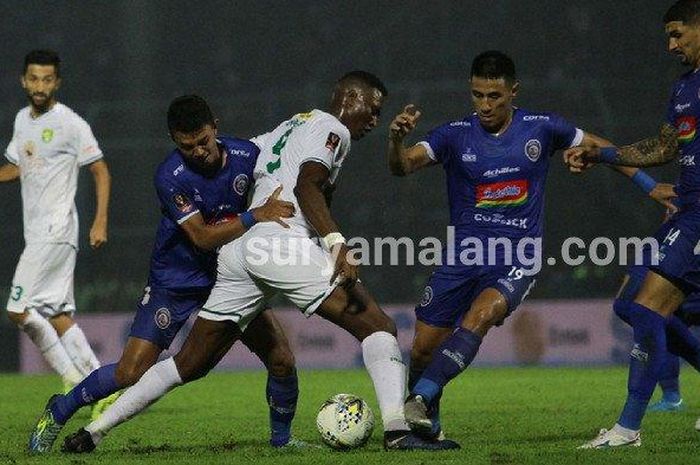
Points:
86	145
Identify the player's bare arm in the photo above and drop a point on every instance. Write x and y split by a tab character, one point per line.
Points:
9	172
405	160
209	237
648	152
313	176
103	182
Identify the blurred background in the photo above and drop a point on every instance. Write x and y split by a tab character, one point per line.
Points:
601	64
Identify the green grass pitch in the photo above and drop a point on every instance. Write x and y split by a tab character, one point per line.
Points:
499	415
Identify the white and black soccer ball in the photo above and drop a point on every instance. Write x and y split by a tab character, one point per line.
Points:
345	421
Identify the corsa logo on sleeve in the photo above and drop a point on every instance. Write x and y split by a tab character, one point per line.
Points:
502	194
687	126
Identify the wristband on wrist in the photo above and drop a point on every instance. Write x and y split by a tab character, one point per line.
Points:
608	154
332	239
247	219
644	181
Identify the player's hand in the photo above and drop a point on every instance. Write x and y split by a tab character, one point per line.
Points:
581	158
348	272
404	123
98	234
274	209
664	194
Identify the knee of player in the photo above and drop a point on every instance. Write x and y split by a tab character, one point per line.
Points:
282	363
17	318
484	317
188	370
127	374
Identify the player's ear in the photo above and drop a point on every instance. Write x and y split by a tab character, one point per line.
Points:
215	126
515	89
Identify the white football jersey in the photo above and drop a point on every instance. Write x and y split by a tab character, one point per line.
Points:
49	150
314	136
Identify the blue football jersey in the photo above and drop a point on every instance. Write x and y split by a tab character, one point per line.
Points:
175	262
495	184
683	113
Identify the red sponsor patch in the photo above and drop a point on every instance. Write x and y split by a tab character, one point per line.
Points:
687	126
182	203
505	193
332	141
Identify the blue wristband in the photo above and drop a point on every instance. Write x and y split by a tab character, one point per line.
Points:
644	181
247	219
608	154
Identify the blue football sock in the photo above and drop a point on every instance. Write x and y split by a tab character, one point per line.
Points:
682	342
414	375
98	385
668	379
452	357
646	361
282	395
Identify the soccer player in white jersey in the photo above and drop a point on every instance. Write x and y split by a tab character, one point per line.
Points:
49	144
303	155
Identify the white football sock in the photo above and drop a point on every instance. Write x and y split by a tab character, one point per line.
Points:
154	384
382	357
79	350
44	336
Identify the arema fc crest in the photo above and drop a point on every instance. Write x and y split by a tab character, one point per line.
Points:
240	184
162	318
533	149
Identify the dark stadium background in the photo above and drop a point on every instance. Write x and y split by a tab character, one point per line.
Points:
601	64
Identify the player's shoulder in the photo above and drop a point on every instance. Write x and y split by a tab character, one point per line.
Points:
238	147
67	114
324	120
171	168
23	116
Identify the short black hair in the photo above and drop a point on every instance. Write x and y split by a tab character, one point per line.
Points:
42	57
188	113
366	78
686	11
493	65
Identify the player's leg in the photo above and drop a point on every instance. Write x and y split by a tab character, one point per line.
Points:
264	337
32	297
656	300
206	344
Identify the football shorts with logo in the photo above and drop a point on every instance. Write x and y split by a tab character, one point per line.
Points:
43	280
162	312
267	260
452	289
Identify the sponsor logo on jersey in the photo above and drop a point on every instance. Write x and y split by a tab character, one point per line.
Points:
680	107
687	126
240	184
47	135
465	124
162	318
502	194
332	141
182	203
29	148
427	296
500	171
179	170
239	153
533	149
687	160
535	118
468	156
499	219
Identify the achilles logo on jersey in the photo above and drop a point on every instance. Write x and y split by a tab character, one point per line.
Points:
500	171
182	203
687	126
162	318
533	149
502	194
680	107
240	184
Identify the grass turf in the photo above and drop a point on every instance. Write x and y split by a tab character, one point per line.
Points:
500	416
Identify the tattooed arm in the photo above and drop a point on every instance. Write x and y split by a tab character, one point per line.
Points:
648	152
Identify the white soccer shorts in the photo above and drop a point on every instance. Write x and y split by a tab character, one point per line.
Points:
44	280
268	260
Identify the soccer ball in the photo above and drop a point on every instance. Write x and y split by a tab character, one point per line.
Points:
345	421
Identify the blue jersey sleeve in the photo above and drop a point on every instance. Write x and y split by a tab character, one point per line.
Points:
438	142
176	200
564	134
670	111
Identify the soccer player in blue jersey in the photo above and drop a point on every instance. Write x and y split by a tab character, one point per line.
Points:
677	274
203	191
496	161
